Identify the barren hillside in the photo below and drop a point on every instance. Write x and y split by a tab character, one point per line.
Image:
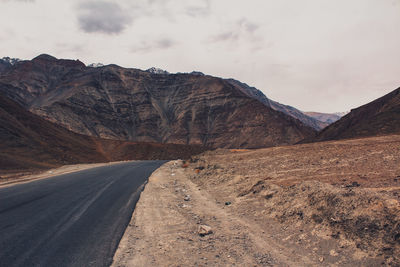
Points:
133	105
27	141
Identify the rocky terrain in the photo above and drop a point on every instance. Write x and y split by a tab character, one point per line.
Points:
142	106
28	142
339	206
380	117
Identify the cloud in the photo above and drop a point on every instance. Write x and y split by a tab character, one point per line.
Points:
26	1
242	29
103	17
199	10
247	25
160	44
63	47
226	36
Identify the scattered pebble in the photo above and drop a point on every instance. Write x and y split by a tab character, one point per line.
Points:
204	230
333	253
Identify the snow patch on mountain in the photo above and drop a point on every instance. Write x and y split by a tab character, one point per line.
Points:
11	61
155	70
95	65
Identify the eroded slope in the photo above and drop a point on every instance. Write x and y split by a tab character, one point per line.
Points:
130	104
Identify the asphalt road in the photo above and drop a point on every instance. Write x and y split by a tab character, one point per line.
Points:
74	219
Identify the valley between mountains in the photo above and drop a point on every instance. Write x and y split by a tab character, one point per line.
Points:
252	182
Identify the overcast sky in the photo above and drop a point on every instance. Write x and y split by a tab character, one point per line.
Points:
316	55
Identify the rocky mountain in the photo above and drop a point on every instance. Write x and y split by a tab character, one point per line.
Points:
288	110
27	141
380	117
155	70
7	62
130	104
328	118
4	64
197	73
96	65
10	60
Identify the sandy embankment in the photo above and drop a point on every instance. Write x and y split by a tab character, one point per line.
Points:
325	204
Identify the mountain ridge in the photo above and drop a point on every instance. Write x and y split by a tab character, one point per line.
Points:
379	117
288	110
131	104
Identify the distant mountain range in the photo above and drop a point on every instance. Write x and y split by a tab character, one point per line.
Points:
148	106
288	110
327	118
59	111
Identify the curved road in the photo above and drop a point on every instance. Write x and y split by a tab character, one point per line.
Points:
74	219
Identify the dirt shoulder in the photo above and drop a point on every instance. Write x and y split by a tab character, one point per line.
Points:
28	176
164	230
332	204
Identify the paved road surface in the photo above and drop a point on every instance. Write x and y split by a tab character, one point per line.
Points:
70	220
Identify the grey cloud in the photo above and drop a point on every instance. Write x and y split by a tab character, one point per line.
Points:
241	29
26	1
164	43
197	11
103	17
169	9
200	10
247	25
225	36
160	44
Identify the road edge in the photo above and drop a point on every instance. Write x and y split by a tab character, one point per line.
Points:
124	242
66	169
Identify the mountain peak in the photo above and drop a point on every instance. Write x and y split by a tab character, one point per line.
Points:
199	73
10	61
155	70
44	57
48	59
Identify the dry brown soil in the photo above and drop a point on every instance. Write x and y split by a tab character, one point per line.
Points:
323	204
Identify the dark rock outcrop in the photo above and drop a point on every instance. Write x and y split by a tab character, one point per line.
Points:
130	104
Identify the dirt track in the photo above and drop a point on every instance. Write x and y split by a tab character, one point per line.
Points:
331	203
